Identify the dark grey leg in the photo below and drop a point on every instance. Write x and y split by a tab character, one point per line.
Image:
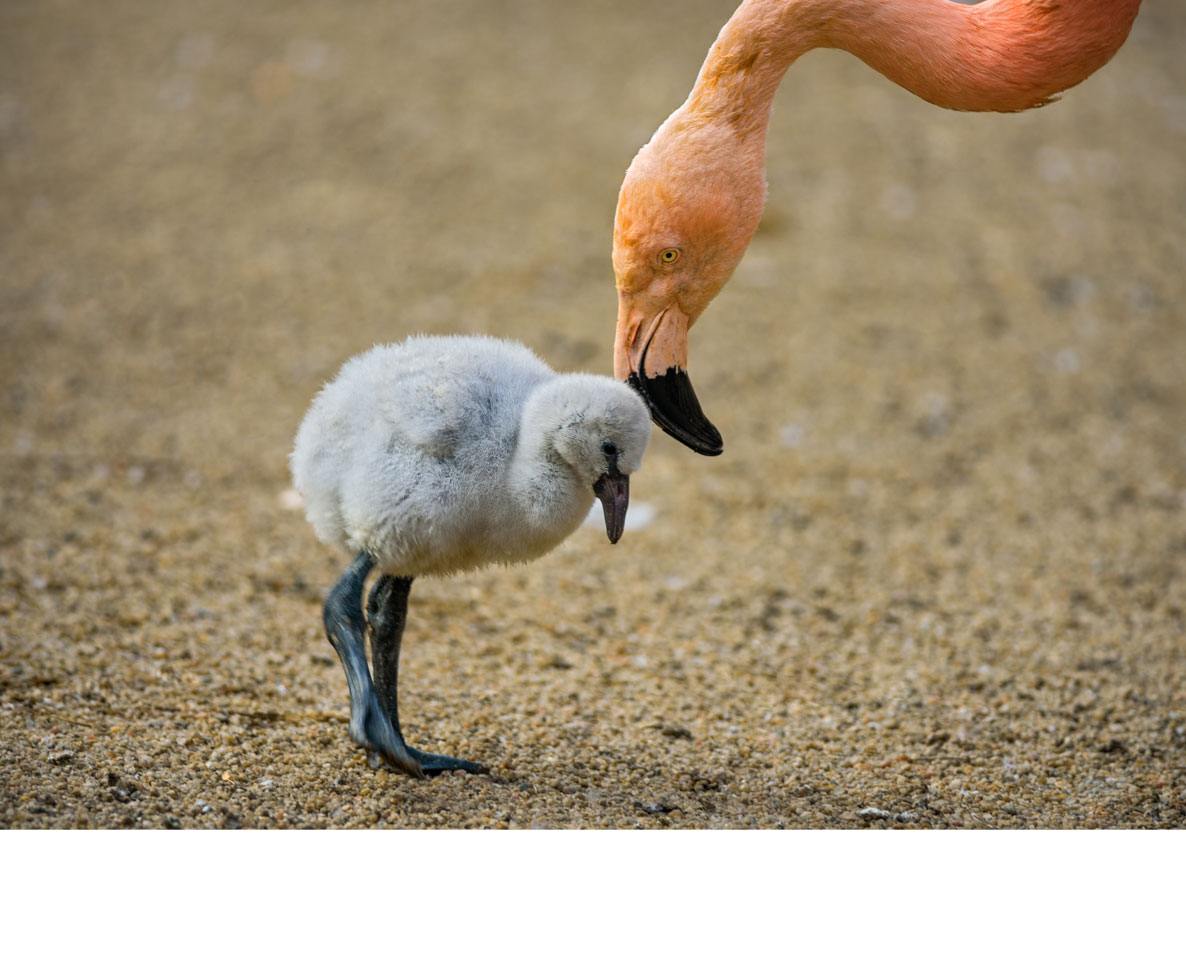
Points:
345	626
387	611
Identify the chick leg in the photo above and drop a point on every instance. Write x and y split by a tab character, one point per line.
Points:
345	627
387	611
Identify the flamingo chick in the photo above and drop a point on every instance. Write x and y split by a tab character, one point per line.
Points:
444	454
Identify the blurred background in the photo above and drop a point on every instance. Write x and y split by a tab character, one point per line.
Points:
950	374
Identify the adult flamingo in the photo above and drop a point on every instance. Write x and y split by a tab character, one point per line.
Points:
692	197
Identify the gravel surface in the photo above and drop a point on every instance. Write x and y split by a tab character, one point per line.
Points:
936	580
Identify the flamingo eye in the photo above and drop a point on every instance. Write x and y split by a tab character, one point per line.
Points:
669	255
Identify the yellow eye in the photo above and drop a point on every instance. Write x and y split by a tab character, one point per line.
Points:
669	255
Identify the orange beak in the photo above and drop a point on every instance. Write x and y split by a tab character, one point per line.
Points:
651	355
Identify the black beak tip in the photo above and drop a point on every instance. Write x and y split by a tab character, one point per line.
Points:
674	407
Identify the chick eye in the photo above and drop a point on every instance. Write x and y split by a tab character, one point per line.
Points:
609	449
669	255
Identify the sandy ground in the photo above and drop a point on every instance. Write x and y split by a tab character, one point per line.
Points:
935	580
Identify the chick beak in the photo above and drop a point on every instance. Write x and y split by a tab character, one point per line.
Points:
614	492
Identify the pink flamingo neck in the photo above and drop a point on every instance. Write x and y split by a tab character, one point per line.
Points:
998	55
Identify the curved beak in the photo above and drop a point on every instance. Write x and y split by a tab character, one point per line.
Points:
614	492
652	357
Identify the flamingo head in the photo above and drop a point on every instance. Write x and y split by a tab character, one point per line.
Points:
683	223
